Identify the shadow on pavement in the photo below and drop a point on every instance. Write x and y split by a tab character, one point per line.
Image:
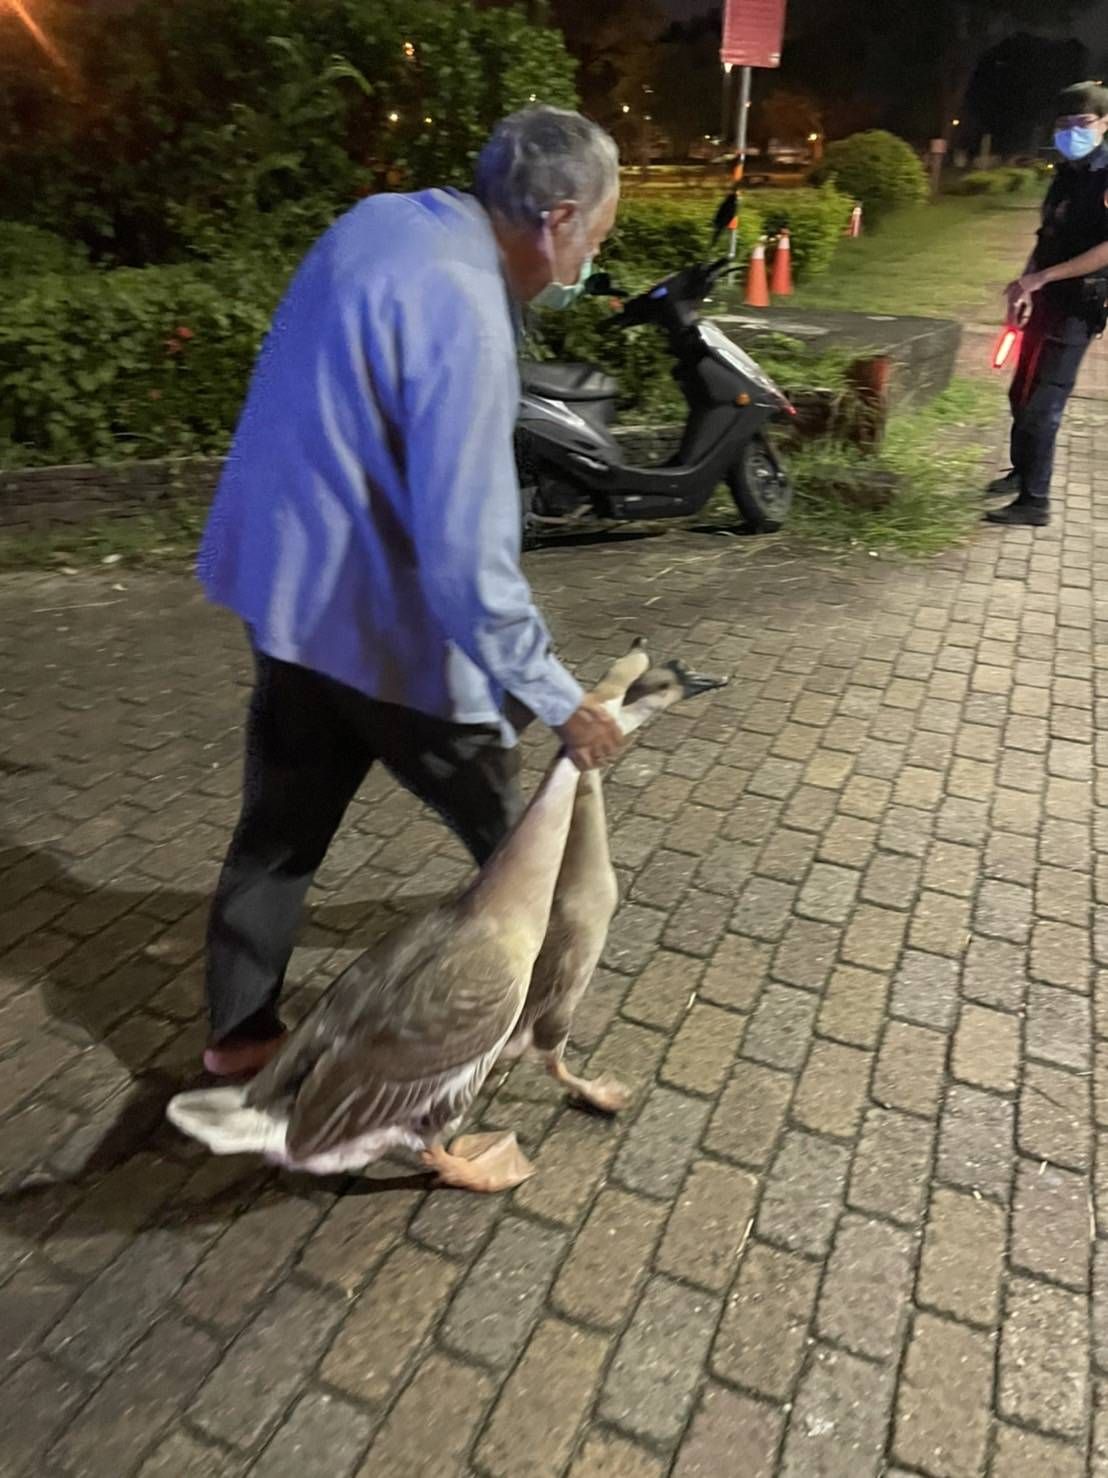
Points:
123	1089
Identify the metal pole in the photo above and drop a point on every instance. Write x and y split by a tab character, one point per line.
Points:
744	116
741	130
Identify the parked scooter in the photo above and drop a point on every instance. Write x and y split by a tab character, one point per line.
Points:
571	469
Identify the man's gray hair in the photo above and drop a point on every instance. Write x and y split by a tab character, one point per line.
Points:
542	157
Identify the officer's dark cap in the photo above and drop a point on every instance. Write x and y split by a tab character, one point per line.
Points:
1083	97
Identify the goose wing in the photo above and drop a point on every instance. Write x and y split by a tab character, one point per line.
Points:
396	1030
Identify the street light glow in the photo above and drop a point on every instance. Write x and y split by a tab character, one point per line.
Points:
23	13
394	117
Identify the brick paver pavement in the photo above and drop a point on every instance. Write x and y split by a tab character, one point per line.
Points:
849	1228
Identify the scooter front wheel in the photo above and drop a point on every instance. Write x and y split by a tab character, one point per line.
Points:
761	488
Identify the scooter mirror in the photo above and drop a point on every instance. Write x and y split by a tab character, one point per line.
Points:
600	285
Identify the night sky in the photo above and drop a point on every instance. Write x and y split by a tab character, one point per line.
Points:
1093	28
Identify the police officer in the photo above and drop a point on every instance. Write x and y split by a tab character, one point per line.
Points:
1059	302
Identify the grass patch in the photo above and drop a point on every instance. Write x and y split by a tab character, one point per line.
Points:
168	533
936	455
936	452
948	260
793	364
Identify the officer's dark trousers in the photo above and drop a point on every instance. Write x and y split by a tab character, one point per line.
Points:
310	742
1051	356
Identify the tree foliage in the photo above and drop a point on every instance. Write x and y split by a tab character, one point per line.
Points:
614	43
1012	93
904	64
687	84
788	115
205	118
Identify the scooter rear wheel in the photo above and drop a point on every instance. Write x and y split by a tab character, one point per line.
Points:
761	488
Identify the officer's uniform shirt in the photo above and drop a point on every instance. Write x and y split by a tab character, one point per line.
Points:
1075	219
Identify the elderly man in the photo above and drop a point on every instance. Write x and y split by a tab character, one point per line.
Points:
367	532
1061	301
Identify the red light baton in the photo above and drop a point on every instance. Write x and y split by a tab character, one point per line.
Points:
1009	341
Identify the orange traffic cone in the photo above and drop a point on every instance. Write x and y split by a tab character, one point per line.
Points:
757	287
782	284
855	222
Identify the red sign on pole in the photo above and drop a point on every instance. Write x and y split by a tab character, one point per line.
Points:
753	33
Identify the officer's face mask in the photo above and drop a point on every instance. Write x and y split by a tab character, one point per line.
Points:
1078	141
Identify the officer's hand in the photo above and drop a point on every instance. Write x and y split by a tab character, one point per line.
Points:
1019	304
1019	310
591	735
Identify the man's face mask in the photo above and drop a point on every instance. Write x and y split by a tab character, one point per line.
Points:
1077	141
562	294
571	248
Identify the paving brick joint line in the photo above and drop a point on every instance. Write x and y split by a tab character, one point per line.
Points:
854	1224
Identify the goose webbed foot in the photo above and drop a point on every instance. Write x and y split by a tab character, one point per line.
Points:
606	1095
485	1163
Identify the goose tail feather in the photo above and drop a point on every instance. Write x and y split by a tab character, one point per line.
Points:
222	1119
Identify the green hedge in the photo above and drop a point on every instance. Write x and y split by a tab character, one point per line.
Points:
877	168
654	238
816	220
29	251
983	182
94	366
1010	181
136	362
1021	180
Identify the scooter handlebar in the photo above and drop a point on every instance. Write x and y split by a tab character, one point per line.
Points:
693	285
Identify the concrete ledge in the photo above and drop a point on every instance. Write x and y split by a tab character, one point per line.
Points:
922	352
37	499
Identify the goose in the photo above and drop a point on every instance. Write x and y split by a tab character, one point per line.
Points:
394	1054
586	897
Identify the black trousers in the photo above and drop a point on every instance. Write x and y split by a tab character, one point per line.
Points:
1053	349
310	742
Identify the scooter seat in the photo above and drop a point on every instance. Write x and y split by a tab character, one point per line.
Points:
567	382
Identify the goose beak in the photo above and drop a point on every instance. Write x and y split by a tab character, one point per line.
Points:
693	684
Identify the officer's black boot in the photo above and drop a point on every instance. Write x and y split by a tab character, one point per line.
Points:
1008	486
1023	513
